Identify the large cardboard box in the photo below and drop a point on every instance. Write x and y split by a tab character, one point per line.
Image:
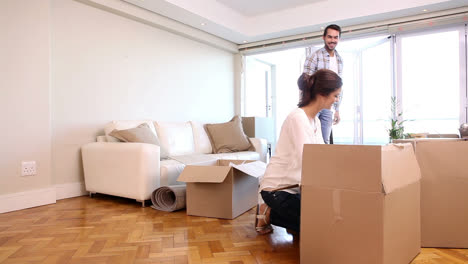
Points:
222	188
360	204
414	141
444	193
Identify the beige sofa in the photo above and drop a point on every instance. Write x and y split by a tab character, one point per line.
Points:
135	170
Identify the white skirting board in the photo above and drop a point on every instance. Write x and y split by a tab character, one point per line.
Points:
33	198
28	199
69	190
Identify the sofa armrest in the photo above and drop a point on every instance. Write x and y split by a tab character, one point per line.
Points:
123	169
260	145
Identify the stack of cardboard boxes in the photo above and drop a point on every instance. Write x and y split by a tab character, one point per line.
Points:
360	204
380	204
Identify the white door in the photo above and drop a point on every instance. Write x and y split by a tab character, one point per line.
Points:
258	92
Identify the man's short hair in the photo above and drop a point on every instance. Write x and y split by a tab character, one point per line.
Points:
332	26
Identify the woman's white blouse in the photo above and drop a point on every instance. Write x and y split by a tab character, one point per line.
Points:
285	166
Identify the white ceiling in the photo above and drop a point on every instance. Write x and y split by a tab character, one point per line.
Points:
247	21
252	8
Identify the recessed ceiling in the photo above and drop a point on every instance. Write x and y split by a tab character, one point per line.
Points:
241	21
258	7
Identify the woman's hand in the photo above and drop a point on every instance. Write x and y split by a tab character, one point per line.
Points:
336	117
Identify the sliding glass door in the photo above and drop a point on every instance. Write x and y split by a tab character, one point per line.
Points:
367	89
376	75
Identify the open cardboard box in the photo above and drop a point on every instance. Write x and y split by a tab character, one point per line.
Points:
360	204
222	188
444	192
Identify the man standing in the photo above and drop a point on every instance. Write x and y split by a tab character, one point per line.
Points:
327	58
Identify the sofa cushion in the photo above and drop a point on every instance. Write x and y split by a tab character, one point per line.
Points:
175	137
201	139
140	134
241	155
200	159
228	137
125	124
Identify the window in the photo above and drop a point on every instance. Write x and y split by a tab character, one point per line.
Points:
430	81
425	70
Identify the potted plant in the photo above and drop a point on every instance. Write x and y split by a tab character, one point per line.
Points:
396	130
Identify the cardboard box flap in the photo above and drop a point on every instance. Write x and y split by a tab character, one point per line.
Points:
194	173
399	167
351	167
255	169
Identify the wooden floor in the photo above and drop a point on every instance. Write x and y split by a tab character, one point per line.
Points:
107	229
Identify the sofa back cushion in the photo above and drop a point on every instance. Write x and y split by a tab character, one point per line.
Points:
201	139
175	137
125	124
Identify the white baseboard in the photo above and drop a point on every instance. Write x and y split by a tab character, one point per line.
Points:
28	199
23	200
69	190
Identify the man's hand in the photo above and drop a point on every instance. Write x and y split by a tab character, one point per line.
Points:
336	117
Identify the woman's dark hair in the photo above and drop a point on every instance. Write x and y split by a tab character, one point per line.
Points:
332	26
323	82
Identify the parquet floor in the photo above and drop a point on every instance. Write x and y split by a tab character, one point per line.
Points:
108	229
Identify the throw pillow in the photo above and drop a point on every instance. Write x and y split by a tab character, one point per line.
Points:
125	124
228	137
139	134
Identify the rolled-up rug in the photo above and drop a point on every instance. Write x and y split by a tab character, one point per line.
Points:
169	198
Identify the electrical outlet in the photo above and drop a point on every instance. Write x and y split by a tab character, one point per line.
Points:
28	168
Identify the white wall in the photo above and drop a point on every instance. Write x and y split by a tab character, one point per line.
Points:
108	67
100	67
24	94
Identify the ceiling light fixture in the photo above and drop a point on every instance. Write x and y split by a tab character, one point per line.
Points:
245	41
202	24
424	10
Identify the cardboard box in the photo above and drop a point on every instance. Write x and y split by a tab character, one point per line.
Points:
444	193
360	204
413	141
218	189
